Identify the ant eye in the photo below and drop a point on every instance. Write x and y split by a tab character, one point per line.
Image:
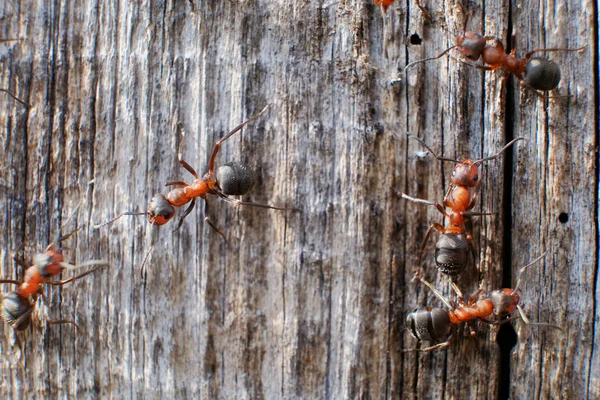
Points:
475	178
453	173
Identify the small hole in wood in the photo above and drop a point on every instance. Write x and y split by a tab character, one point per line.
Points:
563	217
415	39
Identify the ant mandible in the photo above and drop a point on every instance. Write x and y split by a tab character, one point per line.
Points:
452	249
230	179
434	323
535	73
17	305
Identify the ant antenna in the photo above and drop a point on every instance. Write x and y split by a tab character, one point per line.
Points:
528	55
15	97
500	152
525	267
116	218
428	59
438	294
431	151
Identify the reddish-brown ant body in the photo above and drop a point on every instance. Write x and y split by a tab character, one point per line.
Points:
433	323
385	4
536	73
229	179
452	249
17	306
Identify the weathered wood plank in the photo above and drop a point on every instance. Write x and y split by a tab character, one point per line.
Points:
302	304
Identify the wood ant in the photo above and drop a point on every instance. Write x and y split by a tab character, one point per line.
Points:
433	323
230	179
452	249
535	73
384	4
17	306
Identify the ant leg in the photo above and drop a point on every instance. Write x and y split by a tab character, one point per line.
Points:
187	166
435	347
63	321
501	322
478	214
461	297
471	330
424	11
249	203
525	268
543	95
176	183
528	55
10	281
13	96
429	203
438	294
74	278
19	261
211	224
211	163
502	150
22	318
425	240
185	214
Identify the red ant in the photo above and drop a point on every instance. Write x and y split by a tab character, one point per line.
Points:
229	179
17	306
451	253
433	323
535	73
384	4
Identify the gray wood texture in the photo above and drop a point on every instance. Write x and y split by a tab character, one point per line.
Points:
305	304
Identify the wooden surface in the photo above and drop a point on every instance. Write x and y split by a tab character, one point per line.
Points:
302	304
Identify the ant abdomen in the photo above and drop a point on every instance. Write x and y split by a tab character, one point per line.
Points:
160	211
542	74
235	178
452	253
428	323
13	307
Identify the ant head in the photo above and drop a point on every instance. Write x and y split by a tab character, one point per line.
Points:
160	211
505	301
542	74
466	173
471	45
235	178
428	323
48	263
15	307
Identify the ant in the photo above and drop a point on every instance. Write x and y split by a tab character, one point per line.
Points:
434	323
17	306
535	73
230	179
384	4
451	252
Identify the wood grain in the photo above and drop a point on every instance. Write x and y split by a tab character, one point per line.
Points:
304	304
